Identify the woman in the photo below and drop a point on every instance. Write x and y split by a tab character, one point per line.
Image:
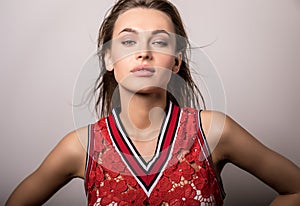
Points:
153	148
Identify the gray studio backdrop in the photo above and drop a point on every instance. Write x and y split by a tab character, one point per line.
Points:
44	45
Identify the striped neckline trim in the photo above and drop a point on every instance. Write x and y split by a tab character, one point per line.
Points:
147	174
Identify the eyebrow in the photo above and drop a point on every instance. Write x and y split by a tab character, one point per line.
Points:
129	30
153	32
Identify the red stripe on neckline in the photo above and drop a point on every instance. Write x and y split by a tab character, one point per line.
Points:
147	177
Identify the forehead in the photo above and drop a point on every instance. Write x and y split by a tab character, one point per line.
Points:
143	19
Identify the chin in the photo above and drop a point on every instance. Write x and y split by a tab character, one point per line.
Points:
145	90
144	85
151	90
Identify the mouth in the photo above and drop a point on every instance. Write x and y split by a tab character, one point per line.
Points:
143	71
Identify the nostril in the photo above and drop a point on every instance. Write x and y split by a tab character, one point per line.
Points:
144	55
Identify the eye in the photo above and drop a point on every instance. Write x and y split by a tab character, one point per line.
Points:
128	42
160	43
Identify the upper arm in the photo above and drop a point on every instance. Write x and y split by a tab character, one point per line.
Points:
65	161
239	147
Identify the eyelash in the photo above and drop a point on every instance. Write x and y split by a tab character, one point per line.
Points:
159	43
128	42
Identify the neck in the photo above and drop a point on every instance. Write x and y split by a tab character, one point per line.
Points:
142	114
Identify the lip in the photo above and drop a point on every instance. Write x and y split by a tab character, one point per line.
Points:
143	71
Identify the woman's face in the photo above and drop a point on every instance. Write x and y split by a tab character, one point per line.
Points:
142	52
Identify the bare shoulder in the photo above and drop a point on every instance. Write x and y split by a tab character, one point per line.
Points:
231	143
67	159
72	148
77	139
213	122
216	125
226	137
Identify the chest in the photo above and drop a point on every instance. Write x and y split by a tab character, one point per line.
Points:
177	171
146	148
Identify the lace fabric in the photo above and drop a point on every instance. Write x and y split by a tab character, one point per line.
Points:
188	178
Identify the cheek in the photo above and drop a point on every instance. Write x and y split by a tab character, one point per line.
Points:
121	69
119	53
118	56
167	61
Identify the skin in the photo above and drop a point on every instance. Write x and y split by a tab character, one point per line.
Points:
230	142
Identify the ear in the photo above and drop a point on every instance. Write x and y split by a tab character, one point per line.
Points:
177	63
108	61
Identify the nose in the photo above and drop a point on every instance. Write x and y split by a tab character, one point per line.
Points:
143	51
144	55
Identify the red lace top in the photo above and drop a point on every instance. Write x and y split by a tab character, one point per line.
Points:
180	172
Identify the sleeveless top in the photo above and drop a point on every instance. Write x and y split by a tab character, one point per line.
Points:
181	171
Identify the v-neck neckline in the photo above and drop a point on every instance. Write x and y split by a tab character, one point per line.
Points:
148	173
116	113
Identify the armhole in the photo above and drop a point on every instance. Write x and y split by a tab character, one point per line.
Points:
89	158
203	140
208	152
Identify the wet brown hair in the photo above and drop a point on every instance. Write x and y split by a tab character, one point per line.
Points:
182	93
